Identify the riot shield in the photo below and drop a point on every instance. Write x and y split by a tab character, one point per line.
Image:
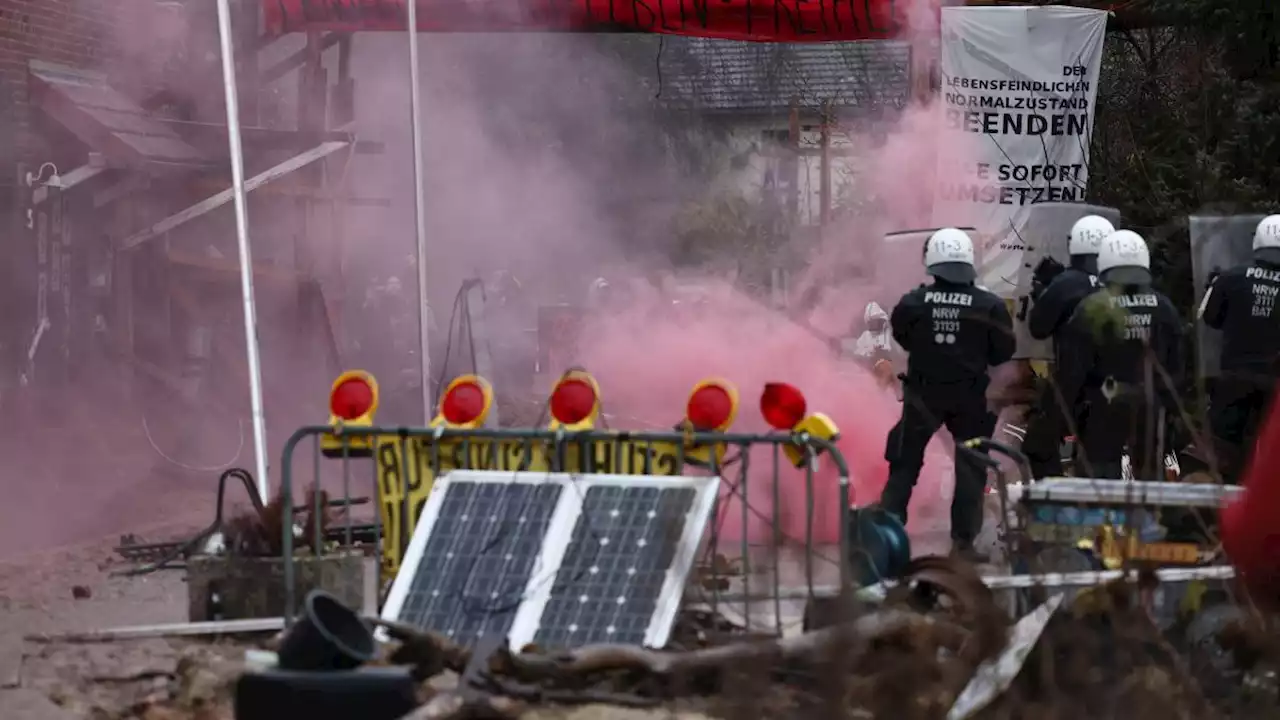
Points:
1218	242
901	255
1047	234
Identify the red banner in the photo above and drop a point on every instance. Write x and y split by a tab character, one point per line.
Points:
759	20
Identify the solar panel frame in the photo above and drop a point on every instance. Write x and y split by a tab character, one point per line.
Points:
1123	492
706	489
555	542
545	564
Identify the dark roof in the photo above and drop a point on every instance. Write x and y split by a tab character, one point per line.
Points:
104	119
731	76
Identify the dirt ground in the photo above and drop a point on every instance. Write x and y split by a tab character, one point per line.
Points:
72	589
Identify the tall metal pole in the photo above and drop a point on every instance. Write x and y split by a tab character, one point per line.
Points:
242	239
419	215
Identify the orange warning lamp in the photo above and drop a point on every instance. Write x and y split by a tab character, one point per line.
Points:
784	408
712	407
353	400
465	403
575	402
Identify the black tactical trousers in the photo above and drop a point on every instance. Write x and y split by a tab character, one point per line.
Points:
1045	429
963	410
1236	408
1109	428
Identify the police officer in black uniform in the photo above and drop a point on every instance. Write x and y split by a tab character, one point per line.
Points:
953	333
1056	291
1104	361
1241	303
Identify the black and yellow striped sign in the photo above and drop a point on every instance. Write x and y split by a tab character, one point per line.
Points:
429	458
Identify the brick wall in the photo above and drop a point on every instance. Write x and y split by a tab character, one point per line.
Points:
81	33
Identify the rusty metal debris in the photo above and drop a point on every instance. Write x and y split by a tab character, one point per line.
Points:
937	644
494	680
256	532
994	676
942	584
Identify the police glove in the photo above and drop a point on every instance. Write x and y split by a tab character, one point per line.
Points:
1037	289
1046	270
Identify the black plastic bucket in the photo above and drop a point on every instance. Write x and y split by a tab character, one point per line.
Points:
328	636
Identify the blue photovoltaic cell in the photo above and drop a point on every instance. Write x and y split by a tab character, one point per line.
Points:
615	564
1058	514
482	550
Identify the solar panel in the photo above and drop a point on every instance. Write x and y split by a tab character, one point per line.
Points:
554	559
473	555
615	571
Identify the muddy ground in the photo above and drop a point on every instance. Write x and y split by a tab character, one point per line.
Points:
73	589
70	589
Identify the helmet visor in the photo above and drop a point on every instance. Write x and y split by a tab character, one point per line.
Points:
1268	255
1126	275
954	272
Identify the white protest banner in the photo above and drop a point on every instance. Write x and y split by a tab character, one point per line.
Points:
1018	92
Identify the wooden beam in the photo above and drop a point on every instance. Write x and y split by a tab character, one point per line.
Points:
231	267
274	137
780	152
295	60
283	188
139	632
1124	15
130	184
222	198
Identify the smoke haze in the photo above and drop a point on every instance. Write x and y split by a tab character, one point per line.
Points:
544	162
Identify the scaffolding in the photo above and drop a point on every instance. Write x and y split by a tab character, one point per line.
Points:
120	219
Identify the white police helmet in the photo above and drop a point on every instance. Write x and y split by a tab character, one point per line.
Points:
1087	234
1266	240
1124	259
949	256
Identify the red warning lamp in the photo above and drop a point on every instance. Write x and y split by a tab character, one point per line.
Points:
782	405
353	400
465	403
354	395
572	402
575	402
712	406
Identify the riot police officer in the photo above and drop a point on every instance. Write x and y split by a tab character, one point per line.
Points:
953	332
1240	302
1108	356
1056	291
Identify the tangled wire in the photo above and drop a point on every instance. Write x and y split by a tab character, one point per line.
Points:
939	634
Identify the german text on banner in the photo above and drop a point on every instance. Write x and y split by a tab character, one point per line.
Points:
1017	103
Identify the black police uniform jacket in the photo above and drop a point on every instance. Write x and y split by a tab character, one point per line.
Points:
1059	300
1108	336
952	334
1241	303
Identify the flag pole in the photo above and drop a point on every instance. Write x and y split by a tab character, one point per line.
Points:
242	240
419	213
